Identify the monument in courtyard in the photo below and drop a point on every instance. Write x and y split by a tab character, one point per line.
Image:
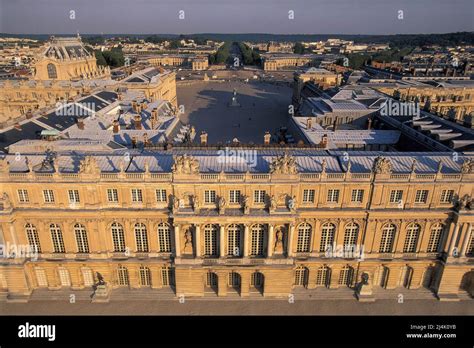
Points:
234	102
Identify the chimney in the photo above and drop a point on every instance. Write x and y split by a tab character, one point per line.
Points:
334	126
324	141
266	138
146	141
369	123
116	126
143	105
309	123
119	96
80	123
134	105
29	114
154	114
137	120
203	138
134	141
18	126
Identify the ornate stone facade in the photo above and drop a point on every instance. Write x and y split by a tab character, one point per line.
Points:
179	226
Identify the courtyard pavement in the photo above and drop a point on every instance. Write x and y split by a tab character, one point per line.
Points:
239	307
264	107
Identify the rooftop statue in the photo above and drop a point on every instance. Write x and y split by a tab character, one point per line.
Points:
185	164
382	165
285	164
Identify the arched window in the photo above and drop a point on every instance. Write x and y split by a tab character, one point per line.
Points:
52	72
57	238
211	280
122	276
81	238
64	277
411	239
435	238
301	276
257	237
87	276
327	236
141	238
408	276
388	236
41	278
118	237
167	276
304	238
164	238
33	238
384	276
345	276
257	280
323	276
350	236
234	280
210	240
233	240
145	276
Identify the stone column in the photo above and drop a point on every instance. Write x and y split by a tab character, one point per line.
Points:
222	241
454	237
270	241
246	241
467	239
222	284
197	240
177	244
155	278
291	236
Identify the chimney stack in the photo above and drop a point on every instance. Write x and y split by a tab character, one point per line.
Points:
324	141
309	123
369	123
146	141
203	138
80	123
116	126
29	114
134	105
134	141
266	138
137	120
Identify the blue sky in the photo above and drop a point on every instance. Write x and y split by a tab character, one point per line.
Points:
236	16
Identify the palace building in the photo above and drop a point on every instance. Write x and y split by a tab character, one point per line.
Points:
68	59
274	223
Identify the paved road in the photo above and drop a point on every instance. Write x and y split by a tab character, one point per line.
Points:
240	307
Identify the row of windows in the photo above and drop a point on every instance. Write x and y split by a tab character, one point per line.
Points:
346	276
234	280
210	196
167	276
258	234
118	238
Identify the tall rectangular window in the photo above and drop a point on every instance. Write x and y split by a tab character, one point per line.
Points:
396	196
421	196
137	196
446	196
333	196
234	196
73	196
308	196
112	195
259	196
23	196
357	196
209	196
161	195
48	196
